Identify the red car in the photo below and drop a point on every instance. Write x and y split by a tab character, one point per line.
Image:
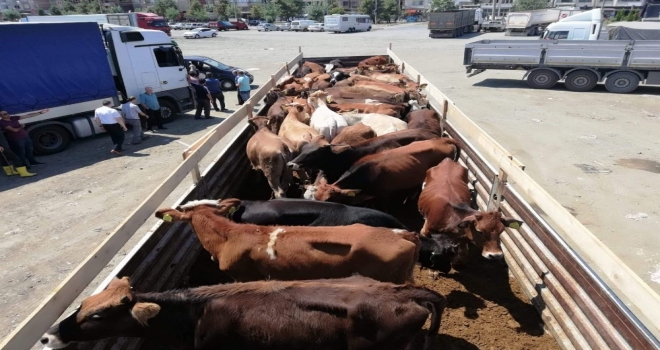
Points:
221	25
240	25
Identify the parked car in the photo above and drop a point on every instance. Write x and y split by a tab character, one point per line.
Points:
239	25
253	22
267	27
224	25
200	33
220	70
285	26
187	26
316	27
177	26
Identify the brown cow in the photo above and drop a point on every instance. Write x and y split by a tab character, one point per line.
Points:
270	153
382	174
307	68
362	92
444	203
250	252
353	134
427	119
380	108
354	313
374	61
294	130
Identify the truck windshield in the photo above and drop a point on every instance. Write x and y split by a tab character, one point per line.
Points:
159	23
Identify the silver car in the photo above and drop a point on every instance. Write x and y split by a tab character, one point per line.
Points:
267	27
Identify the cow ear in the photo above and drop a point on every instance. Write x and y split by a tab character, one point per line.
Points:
422	86
142	312
511	223
300	108
467	221
340	148
169	215
323	181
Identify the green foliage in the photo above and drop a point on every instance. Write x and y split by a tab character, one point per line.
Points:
338	10
257	11
11	14
172	14
316	11
220	9
391	10
444	5
527	5
82	8
290	8
200	15
67	7
272	12
231	11
41	12
619	16
161	6
633	16
195	6
367	7
93	7
55	11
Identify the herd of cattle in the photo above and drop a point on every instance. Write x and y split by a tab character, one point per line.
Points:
318	272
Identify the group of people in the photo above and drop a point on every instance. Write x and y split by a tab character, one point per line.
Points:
208	90
16	147
141	113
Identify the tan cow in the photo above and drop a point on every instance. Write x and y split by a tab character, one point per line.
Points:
250	252
270	153
374	61
354	134
294	130
445	205
380	108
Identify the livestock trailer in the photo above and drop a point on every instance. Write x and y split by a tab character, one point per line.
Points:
586	297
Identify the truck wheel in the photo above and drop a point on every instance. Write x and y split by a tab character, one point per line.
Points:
167	111
50	139
581	80
622	82
542	79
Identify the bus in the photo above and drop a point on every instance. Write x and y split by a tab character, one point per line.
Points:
347	23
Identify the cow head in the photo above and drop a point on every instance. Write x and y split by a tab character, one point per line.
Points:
272	96
315	153
484	229
326	192
113	312
261	122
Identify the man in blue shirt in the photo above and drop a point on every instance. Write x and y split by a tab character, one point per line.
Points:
213	85
149	101
243	83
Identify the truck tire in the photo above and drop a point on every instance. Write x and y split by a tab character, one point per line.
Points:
622	82
50	139
168	111
581	80
542	79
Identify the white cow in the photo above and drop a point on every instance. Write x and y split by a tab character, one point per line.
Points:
324	120
381	123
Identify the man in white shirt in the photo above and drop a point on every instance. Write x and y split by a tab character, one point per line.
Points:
110	120
132	114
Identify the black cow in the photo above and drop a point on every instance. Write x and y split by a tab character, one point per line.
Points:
301	212
334	160
437	252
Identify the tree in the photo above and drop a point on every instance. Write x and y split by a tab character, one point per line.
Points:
114	9
367	7
336	10
257	11
632	16
93	7
391	10
161	6
290	8
271	12
172	14
11	14
527	5
445	5
619	16
41	12
316	11
82	7
67	7
55	11
220	9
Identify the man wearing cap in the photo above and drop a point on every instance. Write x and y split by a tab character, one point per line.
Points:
110	120
132	114
18	138
149	101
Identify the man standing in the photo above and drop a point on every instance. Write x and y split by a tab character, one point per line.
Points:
150	102
213	85
111	121
132	114
18	138
238	91
203	97
11	163
243	86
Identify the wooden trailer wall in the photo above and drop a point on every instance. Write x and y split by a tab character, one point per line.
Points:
578	308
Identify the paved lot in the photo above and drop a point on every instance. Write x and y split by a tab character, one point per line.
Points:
595	152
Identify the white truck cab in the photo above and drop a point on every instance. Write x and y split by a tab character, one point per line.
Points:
582	26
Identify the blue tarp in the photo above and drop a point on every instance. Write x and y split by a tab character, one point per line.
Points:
47	65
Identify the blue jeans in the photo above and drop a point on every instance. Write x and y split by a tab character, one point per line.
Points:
24	149
245	95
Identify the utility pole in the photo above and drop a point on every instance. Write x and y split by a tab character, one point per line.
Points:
376	11
493	16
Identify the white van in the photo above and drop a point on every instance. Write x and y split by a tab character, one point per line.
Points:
347	23
301	25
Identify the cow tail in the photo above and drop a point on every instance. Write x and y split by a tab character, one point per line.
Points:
435	303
